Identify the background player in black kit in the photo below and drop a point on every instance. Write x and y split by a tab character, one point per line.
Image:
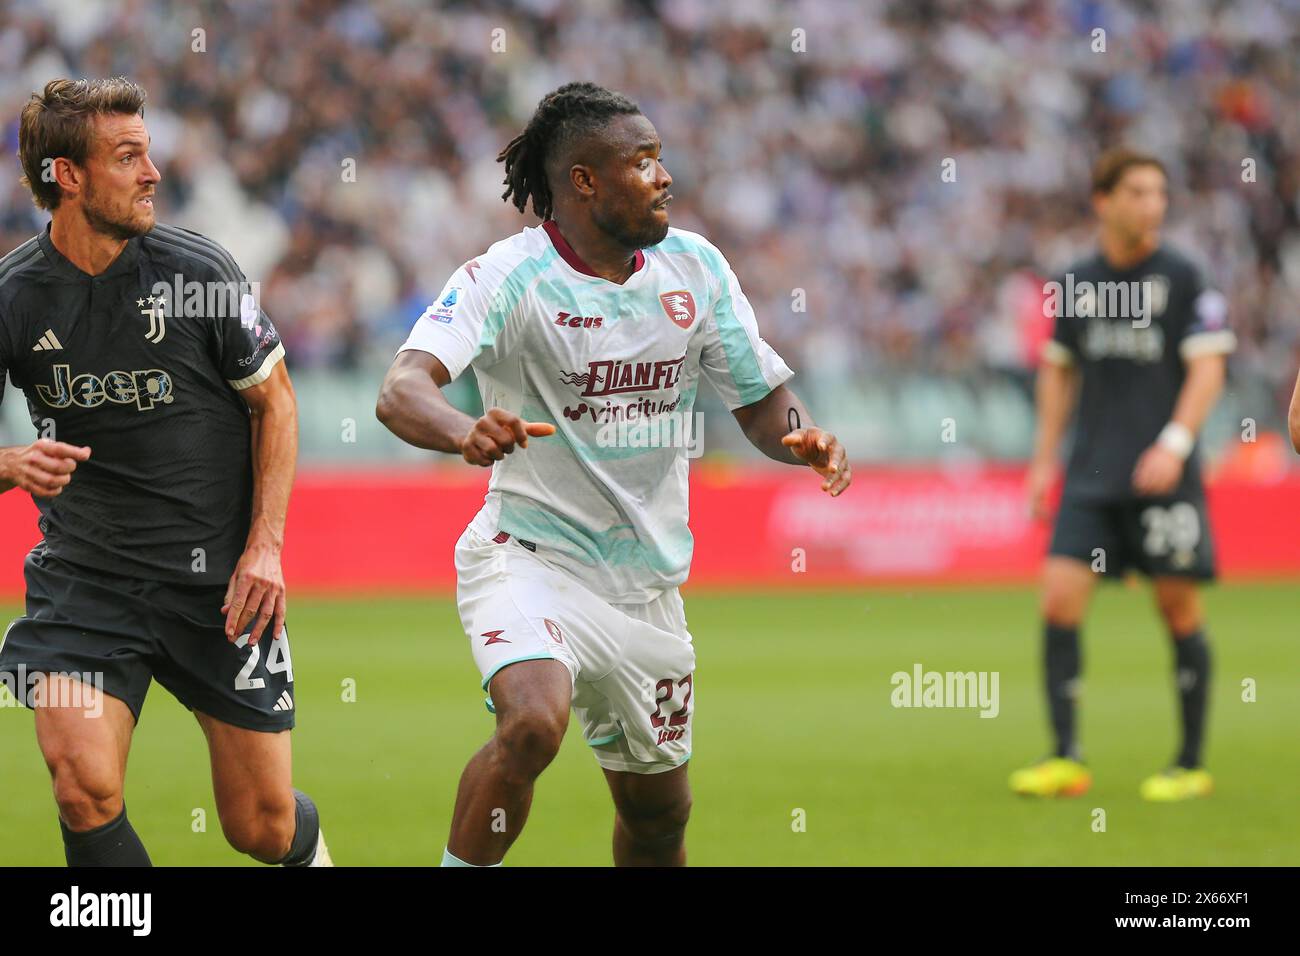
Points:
1137	325
167	451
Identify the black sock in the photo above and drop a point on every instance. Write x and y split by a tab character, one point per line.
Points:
1061	669
113	844
306	832
1192	676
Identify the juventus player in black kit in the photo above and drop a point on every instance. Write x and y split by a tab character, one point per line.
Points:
168	443
1137	325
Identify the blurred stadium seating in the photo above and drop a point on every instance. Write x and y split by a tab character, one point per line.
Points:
814	171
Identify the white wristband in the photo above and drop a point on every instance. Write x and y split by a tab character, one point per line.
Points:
1177	438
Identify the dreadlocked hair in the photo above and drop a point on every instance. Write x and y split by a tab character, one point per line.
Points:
561	116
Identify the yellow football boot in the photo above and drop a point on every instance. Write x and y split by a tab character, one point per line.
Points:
1177	783
1053	777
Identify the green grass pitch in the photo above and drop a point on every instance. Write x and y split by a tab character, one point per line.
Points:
793	695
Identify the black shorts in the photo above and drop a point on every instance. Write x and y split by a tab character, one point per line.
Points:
120	633
1161	537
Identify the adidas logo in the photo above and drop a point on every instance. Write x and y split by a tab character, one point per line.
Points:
48	342
284	703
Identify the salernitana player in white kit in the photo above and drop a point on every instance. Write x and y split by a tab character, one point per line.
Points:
588	333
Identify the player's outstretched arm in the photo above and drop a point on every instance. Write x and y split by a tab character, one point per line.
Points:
42	468
411	406
780	427
256	592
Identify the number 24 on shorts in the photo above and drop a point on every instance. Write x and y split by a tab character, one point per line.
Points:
277	662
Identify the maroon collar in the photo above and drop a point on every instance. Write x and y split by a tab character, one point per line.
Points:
568	254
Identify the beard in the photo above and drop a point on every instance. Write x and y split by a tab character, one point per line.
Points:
114	223
632	233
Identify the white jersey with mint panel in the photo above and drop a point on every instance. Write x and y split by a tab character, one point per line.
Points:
552	344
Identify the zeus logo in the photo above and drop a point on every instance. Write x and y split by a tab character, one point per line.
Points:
143	387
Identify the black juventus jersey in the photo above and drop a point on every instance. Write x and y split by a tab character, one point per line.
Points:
143	363
1129	333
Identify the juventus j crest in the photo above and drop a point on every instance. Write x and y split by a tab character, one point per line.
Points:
154	308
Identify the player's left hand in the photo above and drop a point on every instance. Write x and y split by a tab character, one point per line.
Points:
255	593
824	454
1158	471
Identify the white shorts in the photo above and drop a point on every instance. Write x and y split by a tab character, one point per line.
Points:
632	665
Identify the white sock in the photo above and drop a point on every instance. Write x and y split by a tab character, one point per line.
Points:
449	860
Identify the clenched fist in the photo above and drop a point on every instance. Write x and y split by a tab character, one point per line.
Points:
42	468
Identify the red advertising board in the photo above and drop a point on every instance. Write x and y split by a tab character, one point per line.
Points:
376	531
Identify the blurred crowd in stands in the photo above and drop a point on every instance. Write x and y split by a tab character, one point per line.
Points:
345	152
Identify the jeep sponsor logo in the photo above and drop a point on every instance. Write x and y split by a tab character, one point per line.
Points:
143	387
614	377
1104	338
